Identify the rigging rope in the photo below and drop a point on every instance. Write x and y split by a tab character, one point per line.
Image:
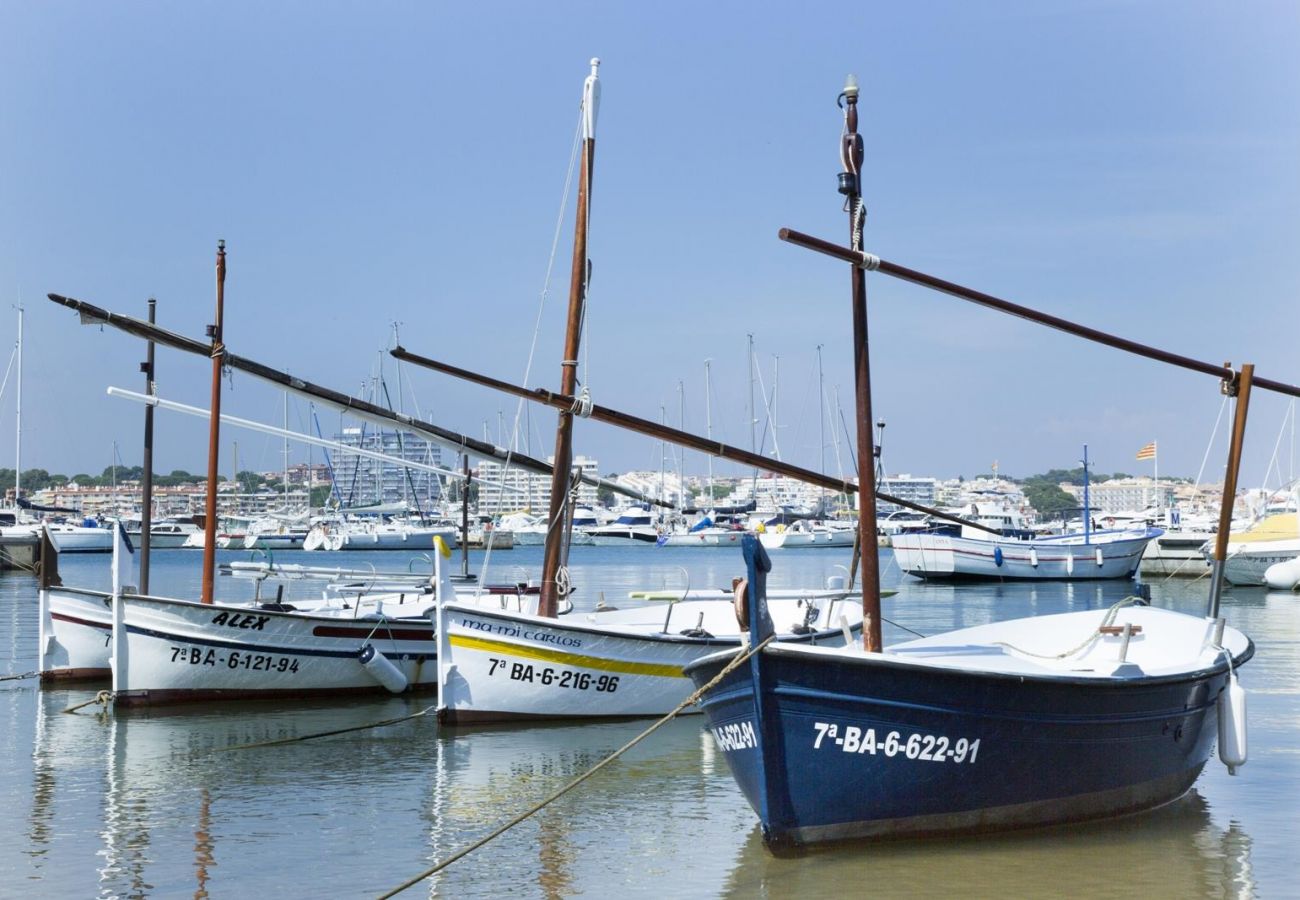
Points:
692	699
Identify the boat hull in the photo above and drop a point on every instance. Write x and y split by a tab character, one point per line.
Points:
880	749
1245	567
181	651
80	625
1067	558
1176	553
502	666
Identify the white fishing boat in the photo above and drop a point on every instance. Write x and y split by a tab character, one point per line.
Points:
502	665
1002	547
368	632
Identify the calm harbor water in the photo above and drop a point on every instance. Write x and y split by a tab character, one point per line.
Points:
151	804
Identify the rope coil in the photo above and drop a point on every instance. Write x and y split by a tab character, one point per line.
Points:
582	404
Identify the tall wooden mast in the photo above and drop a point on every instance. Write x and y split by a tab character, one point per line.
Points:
851	187
214	432
549	602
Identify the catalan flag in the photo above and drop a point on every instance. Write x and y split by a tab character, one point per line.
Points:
1148	452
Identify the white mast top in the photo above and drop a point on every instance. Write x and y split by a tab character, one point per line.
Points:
591	101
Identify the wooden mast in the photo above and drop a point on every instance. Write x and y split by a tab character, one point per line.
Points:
548	605
851	187
146	504
1240	388
214	433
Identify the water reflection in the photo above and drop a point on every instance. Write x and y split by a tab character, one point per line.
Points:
155	803
1177	851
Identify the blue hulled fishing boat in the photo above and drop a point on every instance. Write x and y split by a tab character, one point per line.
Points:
1029	722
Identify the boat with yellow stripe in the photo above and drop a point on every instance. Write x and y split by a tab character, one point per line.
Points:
499	665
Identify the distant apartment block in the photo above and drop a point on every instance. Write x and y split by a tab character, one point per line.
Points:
504	490
361	481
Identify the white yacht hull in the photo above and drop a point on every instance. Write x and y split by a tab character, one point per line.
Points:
1062	557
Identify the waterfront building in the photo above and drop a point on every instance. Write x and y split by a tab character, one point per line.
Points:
361	481
1118	495
907	487
503	490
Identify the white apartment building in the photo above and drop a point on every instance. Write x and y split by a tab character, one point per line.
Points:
504	490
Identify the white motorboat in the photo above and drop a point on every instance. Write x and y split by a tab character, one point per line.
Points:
87	537
635	526
1252	552
167	534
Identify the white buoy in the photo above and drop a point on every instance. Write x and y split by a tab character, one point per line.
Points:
1283	576
1069	564
1033	557
381	669
1232	725
1100	558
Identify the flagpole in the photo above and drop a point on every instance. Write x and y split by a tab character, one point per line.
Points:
1155	470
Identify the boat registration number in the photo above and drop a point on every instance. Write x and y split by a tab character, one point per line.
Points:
928	747
253	662
562	678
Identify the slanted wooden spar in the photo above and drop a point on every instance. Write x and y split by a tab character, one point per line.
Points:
548	605
92	314
875	264
672	435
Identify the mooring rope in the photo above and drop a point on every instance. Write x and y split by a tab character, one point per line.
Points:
102	697
18	677
321	734
692	699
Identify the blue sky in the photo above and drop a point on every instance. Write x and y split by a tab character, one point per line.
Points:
1132	166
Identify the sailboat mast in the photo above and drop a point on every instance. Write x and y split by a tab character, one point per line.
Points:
851	186
18	441
681	456
1087	500
708	424
146	501
286	453
214	433
821	431
548	603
